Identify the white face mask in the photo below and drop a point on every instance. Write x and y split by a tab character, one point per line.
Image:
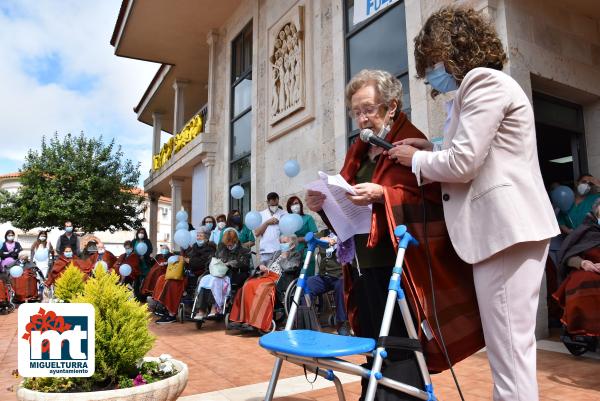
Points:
141	236
583	188
221	225
10	238
295	208
42	239
273	209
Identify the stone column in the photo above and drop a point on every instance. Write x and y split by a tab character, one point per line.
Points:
176	186
209	163
153	220
156	130
179	108
211	39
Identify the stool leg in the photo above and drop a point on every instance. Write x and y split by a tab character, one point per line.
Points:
273	380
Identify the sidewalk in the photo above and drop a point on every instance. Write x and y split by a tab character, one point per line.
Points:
233	367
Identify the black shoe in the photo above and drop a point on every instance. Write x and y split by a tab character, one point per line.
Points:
166	320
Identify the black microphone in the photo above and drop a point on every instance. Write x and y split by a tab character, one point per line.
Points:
367	135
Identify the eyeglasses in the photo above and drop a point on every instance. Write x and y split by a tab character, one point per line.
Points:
367	111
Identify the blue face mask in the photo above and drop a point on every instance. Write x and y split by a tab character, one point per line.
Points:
209	226
128	251
200	242
440	80
284	246
164	251
68	255
69	229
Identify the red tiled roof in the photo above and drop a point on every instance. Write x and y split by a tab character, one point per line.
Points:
10	175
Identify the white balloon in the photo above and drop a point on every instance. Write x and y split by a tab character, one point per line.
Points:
41	254
288	224
125	270
181	225
101	264
291	168
237	192
16	271
182	238
253	220
181	215
173	259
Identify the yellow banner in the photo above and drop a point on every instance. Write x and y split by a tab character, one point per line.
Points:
177	142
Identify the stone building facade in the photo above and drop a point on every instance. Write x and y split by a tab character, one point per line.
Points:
267	95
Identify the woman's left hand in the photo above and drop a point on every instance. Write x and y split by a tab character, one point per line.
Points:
403	154
366	193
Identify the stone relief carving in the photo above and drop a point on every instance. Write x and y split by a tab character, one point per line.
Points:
287	69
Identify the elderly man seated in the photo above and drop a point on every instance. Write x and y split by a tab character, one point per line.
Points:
168	291
254	303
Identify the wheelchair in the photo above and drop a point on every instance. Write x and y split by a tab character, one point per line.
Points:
7	295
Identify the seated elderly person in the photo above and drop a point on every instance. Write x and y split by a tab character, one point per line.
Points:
63	261
330	278
579	293
159	268
128	258
215	288
26	286
168	292
254	303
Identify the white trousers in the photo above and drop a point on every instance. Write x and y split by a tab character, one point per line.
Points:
508	287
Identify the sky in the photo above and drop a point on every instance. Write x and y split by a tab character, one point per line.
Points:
59	73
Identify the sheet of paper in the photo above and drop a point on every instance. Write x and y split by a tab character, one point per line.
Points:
346	218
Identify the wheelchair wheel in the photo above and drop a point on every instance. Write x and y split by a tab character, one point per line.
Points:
181	313
332	321
288	298
227	325
577	345
271	329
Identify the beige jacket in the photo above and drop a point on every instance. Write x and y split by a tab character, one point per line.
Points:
492	188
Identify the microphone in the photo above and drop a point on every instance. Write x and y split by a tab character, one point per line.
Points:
367	135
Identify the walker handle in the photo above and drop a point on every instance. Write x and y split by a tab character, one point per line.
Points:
404	237
312	242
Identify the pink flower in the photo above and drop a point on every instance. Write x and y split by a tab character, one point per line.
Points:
139	380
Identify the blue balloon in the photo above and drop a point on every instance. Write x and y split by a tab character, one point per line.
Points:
182	225
562	197
141	248
193	235
181	215
288	224
16	271
253	220
41	254
237	192
182	238
291	168
125	270
173	259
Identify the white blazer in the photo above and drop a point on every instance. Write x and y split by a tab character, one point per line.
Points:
492	188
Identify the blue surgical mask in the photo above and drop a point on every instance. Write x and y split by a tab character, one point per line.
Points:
200	242
209	226
440	79
69	229
284	246
164	251
68	255
128	251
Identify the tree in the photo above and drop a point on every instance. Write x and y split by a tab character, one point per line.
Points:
79	179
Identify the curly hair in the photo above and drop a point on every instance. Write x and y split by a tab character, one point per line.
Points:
460	37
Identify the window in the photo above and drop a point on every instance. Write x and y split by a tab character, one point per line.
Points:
241	117
377	43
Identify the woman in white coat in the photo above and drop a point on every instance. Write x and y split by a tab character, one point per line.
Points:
496	207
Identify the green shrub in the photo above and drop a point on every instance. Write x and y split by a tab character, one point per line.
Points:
69	284
122	334
122	338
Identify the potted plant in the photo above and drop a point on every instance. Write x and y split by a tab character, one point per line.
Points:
122	341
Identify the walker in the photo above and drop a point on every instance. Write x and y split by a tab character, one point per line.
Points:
319	352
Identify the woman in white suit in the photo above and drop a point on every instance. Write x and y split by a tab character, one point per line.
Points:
496	207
